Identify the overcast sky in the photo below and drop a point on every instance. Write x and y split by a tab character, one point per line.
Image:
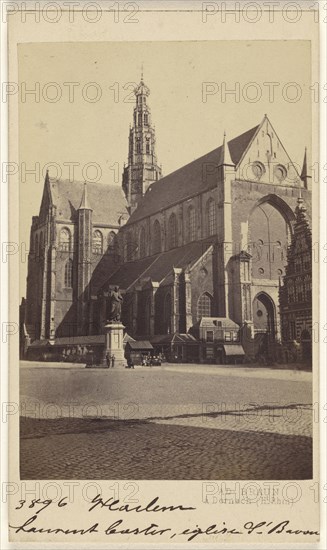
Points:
77	129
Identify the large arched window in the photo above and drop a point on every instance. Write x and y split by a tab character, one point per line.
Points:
146	119
112	242
156	238
172	231
211	217
204	308
142	243
130	247
64	240
268	234
167	313
69	274
191	228
97	243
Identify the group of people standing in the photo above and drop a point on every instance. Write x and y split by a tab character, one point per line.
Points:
110	359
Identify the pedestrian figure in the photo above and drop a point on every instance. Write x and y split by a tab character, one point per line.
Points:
112	361
130	364
108	360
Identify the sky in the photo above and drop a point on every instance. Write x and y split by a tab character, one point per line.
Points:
88	123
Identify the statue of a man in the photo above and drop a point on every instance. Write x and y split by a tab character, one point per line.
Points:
116	300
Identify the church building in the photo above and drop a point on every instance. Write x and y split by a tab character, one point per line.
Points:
208	241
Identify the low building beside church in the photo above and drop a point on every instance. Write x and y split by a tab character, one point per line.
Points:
208	241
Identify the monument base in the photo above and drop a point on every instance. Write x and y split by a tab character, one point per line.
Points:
114	348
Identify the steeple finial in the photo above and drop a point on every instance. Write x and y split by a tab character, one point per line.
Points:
225	158
142	72
84	202
304	174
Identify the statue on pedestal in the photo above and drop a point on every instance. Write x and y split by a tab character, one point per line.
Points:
116	300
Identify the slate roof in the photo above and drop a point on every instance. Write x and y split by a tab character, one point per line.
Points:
189	180
159	266
211	322
72	340
107	201
106	266
128	338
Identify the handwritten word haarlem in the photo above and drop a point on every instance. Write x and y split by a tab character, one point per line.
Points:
118	527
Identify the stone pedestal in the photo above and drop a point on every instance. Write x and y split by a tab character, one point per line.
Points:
114	333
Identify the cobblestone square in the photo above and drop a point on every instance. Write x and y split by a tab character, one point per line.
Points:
169	422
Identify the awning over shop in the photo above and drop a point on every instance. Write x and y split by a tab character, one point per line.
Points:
234	349
176	338
141	345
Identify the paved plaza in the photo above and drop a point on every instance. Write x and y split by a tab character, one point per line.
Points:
169	422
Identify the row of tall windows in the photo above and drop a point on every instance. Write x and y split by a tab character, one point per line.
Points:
65	241
132	246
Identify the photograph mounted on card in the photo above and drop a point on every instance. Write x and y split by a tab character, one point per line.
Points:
166	366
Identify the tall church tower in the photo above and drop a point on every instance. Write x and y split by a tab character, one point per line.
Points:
142	168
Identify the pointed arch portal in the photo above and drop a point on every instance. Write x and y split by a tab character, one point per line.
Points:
264	315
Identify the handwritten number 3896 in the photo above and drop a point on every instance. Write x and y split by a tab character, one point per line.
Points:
45	503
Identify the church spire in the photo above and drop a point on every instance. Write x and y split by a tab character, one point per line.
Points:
225	158
142	168
304	174
84	202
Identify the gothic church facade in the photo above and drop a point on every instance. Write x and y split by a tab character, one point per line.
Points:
208	240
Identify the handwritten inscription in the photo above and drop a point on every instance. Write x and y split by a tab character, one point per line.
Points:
119	526
153	506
